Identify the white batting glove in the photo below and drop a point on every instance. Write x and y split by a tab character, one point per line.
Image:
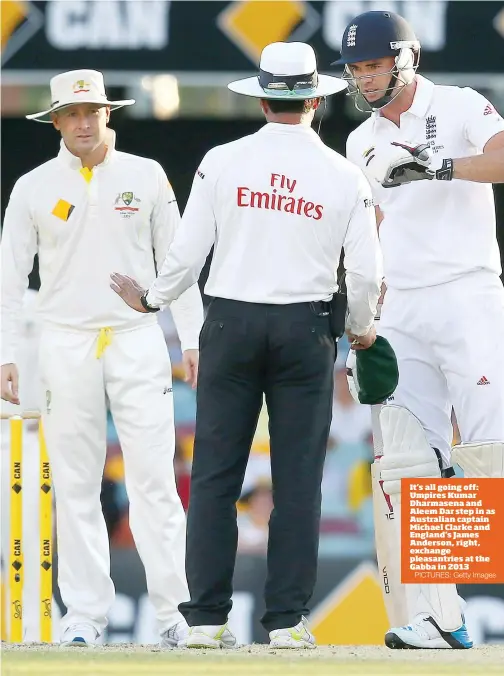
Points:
394	164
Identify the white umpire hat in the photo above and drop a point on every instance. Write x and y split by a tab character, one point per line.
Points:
288	70
77	86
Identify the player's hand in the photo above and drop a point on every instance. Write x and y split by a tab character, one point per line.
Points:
129	290
394	164
362	342
10	383
190	360
411	163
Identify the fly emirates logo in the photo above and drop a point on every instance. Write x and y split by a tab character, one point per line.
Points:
279	201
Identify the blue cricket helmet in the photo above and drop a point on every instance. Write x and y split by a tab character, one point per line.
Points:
374	35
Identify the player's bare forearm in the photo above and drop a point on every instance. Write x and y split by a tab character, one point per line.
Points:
382	294
485	168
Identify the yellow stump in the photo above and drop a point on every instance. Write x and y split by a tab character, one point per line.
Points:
45	542
3	621
16	532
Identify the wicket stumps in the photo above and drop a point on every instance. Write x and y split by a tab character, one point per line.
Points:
16	562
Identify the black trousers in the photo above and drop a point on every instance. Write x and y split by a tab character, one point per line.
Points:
287	353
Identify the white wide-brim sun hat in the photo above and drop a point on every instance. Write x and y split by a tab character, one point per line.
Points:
74	87
288	70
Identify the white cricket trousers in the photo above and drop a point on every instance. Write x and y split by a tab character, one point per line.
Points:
134	375
448	342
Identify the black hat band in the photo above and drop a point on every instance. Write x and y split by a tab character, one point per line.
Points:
280	83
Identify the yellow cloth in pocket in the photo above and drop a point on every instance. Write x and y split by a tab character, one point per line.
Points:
62	210
104	340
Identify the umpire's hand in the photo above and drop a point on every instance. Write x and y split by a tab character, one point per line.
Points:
130	291
190	359
362	342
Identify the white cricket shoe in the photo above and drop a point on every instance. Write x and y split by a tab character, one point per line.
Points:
209	636
79	636
424	632
175	636
293	637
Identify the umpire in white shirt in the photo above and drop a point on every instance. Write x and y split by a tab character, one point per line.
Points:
278	206
84	211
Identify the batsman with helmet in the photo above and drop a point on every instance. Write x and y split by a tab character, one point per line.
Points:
431	154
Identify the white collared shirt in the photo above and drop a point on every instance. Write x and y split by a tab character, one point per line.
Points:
278	206
83	230
435	231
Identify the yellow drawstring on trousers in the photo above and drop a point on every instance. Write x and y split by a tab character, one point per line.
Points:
104	340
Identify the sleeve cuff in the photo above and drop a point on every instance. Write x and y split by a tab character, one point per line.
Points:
190	345
151	300
8	356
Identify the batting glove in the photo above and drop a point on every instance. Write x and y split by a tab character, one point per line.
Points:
416	164
402	163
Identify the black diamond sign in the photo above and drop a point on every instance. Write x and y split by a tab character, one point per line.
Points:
17	565
46	488
17	488
45	565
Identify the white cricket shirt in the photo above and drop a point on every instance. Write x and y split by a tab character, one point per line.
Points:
84	228
435	231
278	206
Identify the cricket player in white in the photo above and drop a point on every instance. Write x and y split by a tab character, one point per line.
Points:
84	212
430	153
